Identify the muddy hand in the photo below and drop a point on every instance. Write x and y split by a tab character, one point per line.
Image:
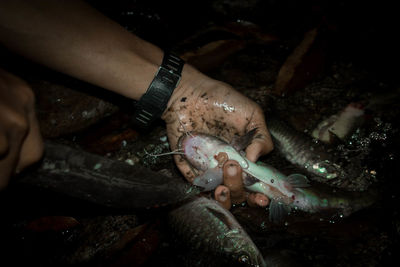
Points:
233	192
205	105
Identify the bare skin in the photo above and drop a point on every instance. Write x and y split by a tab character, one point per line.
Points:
205	105
19	129
233	188
73	38
208	106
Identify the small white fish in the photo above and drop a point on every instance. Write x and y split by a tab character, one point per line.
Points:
202	152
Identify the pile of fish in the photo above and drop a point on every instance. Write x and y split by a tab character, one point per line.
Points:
206	225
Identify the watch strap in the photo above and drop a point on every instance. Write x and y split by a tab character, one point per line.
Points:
153	103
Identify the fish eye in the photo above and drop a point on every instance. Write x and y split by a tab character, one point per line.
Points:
244	259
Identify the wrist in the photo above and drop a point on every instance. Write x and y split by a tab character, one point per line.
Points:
153	102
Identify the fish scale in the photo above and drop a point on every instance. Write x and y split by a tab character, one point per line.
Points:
301	151
205	224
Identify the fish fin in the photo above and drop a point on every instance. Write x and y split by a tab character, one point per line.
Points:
221	216
210	179
298	180
278	211
241	142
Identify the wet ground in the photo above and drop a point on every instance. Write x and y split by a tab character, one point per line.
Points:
350	63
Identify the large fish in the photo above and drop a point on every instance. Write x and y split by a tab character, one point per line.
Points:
325	164
206	225
112	183
301	151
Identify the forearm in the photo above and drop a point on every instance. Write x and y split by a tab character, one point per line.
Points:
73	38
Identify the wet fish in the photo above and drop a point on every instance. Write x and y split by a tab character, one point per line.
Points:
206	225
93	178
320	200
303	152
203	151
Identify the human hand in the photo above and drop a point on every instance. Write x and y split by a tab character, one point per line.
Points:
233	192
205	105
20	140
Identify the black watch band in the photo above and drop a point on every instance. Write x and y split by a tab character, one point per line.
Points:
153	103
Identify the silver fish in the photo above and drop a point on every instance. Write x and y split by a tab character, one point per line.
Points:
300	150
206	225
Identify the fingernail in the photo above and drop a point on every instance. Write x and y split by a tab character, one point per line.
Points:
232	170
262	201
224	195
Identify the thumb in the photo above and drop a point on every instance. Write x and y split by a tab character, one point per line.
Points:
257	148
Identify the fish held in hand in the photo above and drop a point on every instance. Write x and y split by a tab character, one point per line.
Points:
203	152
206	225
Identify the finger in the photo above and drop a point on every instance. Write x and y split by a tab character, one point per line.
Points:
32	147
233	180
262	142
257	200
223	196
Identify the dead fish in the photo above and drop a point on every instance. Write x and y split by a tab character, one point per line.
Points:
111	183
341	125
206	225
303	152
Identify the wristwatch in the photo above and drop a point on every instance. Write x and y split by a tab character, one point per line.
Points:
153	103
